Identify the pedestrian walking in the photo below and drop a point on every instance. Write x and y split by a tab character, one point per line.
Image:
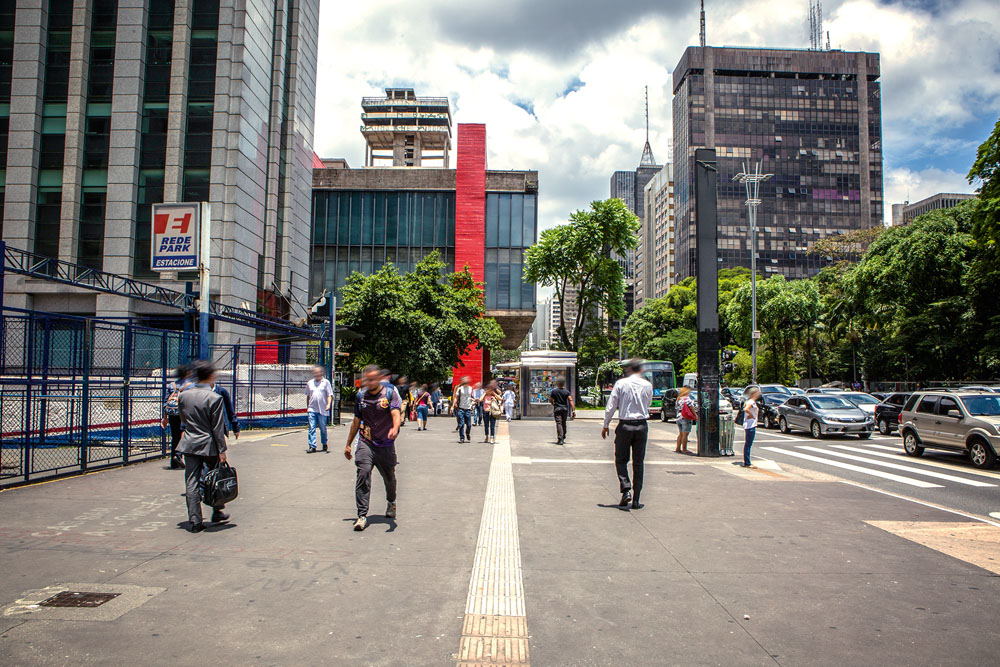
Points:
750	411
492	409
562	407
509	399
687	414
402	386
423	403
632	397
231	422
204	441
462	405
319	399
376	424
436	399
477	403
171	412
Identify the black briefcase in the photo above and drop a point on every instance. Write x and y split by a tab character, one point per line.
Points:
220	486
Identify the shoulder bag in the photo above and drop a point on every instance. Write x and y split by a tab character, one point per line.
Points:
220	486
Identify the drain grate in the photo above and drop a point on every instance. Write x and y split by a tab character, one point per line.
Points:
78	599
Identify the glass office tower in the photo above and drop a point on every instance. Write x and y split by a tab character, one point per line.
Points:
814	120
111	106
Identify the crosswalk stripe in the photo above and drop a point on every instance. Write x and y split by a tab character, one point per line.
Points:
849	466
898	451
896	466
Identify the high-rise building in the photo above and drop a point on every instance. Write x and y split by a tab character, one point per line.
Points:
366	218
933	203
412	129
110	106
655	268
897	213
814	119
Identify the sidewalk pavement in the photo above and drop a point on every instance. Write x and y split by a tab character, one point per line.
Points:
722	566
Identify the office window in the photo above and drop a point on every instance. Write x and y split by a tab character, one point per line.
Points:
90	245
47	221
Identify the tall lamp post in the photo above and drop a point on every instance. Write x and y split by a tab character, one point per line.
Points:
752	182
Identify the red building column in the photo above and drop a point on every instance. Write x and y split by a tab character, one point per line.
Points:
470	226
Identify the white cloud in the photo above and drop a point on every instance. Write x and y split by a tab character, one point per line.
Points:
902	184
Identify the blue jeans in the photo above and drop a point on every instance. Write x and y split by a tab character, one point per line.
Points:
316	420
477	415
464	424
748	443
489	424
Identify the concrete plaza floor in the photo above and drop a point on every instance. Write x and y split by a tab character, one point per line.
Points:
722	566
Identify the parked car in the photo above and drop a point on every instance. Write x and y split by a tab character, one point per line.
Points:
860	399
768	415
962	421
823	390
796	391
774	389
981	387
887	412
735	396
880	395
822	415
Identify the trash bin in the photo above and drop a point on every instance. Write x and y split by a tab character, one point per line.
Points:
727	434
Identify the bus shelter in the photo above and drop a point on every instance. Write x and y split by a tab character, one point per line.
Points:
536	374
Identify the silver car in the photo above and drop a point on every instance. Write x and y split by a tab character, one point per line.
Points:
860	399
823	414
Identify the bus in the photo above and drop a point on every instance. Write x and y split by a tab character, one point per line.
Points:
661	375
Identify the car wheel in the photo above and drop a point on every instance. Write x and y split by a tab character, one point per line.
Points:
883	427
981	454
864	436
815	429
783	426
911	445
769	421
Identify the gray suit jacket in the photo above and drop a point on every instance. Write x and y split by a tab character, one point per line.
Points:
203	415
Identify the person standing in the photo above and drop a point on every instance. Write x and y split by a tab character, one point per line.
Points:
462	404
750	411
687	415
171	413
477	403
232	423
562	406
492	408
423	404
376	421
632	397
436	398
319	398
509	399
204	441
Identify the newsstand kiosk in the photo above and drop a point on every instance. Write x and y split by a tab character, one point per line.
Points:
536	374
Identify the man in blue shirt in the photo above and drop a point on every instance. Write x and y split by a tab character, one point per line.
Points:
377	420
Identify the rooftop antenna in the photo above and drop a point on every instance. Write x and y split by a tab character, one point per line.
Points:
827	40
703	23
647	151
815	25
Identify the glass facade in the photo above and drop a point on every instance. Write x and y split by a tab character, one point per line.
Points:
814	126
201	100
510	229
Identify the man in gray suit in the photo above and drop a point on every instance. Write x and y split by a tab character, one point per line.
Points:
204	441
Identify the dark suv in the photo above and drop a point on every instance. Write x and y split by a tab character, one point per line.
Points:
962	421
887	412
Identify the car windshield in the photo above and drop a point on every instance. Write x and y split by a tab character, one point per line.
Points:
774	389
861	399
982	405
830	403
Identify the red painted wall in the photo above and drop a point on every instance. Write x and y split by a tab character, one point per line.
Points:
470	224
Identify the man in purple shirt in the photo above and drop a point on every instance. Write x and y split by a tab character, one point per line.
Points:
377	419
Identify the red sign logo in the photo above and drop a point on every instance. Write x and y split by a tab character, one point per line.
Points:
162	220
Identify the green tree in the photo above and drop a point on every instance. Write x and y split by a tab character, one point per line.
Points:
578	255
984	270
419	324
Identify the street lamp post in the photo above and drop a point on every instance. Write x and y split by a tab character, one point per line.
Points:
752	182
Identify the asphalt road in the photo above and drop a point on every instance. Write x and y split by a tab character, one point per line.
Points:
942	478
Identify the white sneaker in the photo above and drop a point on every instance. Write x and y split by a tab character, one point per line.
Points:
361	523
390	511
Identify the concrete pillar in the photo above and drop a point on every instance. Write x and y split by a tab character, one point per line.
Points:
173	173
709	56
24	139
864	142
274	137
76	121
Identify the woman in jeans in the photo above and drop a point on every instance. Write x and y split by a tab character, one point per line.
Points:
423	407
750	412
492	408
683	424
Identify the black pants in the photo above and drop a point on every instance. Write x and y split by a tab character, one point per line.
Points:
367	457
560	415
630	440
175	434
195	468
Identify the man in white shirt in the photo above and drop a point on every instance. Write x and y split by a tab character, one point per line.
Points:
631	397
319	398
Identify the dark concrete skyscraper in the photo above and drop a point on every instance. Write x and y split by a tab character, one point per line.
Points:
814	118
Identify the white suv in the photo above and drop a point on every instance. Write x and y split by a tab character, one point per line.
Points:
965	421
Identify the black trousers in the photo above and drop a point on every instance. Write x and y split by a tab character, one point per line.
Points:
383	459
630	441
195	467
560	415
175	433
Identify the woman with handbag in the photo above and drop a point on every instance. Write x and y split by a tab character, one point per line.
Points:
492	409
687	416
423	404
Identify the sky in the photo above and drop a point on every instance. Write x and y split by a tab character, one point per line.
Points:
559	83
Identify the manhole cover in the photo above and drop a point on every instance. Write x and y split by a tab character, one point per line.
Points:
677	472
78	599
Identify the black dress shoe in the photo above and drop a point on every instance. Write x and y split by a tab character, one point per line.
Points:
626	498
636	504
218	516
325	449
196	527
